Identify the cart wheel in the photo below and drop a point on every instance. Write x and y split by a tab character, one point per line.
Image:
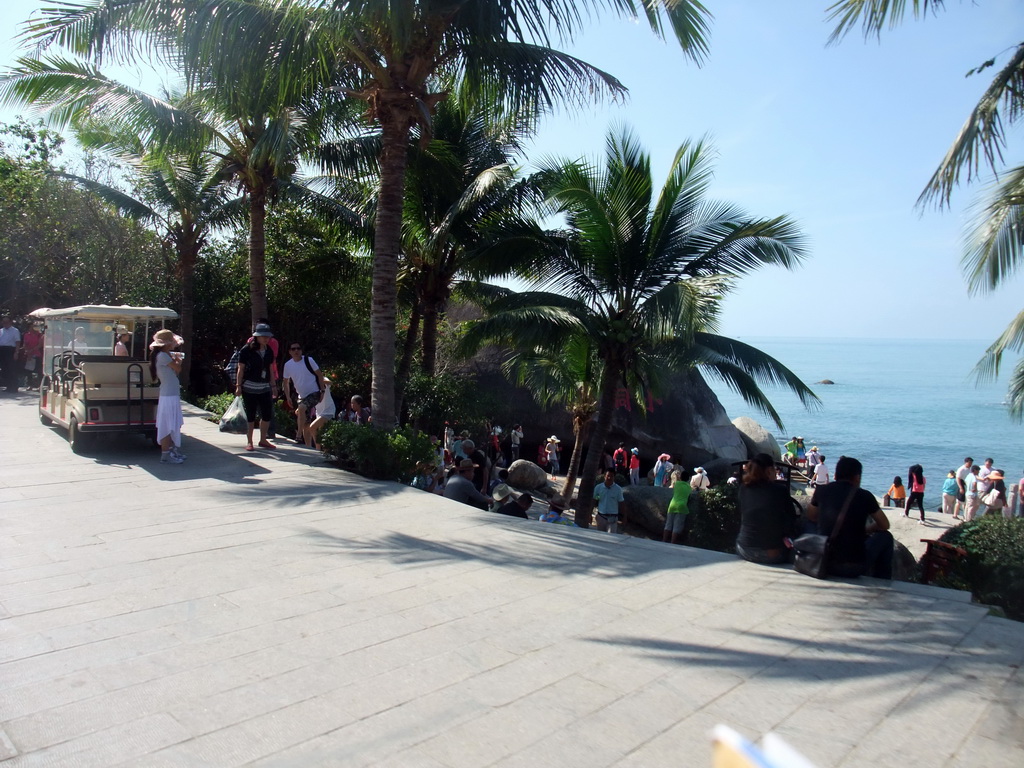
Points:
44	419
79	443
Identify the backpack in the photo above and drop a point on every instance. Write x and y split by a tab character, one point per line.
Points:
231	369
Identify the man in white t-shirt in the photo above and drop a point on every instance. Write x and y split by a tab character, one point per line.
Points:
961	477
302	372
984	486
819	477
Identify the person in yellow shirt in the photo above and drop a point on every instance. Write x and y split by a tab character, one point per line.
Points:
897	492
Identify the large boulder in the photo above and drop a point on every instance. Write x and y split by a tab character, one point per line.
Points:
526	474
646	506
757	438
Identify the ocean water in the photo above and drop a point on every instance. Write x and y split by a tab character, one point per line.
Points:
894	403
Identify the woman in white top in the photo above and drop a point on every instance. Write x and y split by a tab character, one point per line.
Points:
121	345
165	365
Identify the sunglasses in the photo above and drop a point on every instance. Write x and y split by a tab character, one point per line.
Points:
290	349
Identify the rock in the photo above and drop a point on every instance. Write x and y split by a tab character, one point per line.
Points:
646	506
904	564
526	474
825	381
757	438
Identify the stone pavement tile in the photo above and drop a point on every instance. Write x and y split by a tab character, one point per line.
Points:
509	729
132	741
687	743
62	662
262	735
41	621
41	586
21	646
384	735
523	676
77	718
26	699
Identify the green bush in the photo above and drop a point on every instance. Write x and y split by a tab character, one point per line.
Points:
374	453
716	523
217	404
994	567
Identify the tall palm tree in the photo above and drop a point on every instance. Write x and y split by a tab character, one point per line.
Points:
462	199
392	57
258	119
568	376
643	278
185	198
995	244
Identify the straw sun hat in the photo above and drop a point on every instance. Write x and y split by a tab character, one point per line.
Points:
165	336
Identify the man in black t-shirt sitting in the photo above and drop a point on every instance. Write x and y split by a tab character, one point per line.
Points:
863	546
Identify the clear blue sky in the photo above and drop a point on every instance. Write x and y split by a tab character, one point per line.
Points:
842	139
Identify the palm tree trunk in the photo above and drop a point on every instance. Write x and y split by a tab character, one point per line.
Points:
187	273
386	248
579	428
258	253
430	314
405	364
588	480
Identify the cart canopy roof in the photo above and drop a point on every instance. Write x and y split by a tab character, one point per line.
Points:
106	312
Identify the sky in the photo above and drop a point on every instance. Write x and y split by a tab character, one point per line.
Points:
840	138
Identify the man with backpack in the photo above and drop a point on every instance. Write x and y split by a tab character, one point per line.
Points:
302	373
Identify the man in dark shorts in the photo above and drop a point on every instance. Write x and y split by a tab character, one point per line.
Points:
302	373
863	546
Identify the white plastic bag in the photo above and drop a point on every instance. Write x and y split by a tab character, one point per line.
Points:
234	419
326	407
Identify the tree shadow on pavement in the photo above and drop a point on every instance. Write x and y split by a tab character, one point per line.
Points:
545	550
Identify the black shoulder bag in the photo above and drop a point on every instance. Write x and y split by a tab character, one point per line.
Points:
811	549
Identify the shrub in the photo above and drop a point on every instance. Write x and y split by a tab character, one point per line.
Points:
374	453
217	404
716	524
994	567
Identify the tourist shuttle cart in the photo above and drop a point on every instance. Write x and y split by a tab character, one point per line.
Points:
86	388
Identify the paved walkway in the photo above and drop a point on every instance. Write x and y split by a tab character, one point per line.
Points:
267	609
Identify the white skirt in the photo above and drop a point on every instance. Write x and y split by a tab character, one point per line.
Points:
169	419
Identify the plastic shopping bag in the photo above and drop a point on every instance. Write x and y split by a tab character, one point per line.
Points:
234	419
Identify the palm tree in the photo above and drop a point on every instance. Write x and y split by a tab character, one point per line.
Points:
258	126
394	57
463	199
643	279
567	376
185	198
995	244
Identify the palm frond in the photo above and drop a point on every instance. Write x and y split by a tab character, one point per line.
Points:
982	138
995	246
712	349
874	15
1015	394
1010	340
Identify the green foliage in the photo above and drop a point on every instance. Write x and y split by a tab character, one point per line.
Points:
457	398
716	523
994	567
216	404
376	453
60	245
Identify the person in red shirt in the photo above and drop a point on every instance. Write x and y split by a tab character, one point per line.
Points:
634	466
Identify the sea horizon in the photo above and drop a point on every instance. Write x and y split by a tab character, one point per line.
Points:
894	403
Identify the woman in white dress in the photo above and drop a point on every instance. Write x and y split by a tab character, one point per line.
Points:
165	365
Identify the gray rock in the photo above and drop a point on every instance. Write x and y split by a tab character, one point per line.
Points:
646	506
825	381
526	474
757	438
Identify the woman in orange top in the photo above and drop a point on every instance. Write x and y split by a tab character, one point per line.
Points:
897	492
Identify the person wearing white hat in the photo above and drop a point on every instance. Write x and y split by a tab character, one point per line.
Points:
165	365
699	481
552	451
